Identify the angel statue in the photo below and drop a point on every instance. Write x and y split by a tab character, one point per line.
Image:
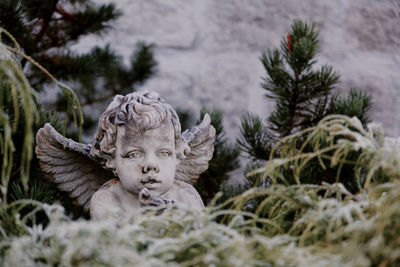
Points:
139	158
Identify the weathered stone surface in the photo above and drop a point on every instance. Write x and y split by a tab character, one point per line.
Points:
374	25
208	51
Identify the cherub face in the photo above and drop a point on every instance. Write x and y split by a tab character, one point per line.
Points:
146	160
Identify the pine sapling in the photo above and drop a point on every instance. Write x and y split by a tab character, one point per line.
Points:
303	95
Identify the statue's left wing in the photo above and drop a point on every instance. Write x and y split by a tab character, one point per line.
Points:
68	164
200	139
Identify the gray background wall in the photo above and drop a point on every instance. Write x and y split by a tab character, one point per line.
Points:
208	50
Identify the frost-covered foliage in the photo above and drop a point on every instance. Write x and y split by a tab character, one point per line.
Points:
172	239
332	141
344	230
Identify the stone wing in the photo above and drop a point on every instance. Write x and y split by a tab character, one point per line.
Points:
67	163
200	139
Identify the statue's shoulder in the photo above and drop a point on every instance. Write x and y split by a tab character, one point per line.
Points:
103	198
183	185
105	192
187	194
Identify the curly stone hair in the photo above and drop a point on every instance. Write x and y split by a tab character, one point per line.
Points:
147	109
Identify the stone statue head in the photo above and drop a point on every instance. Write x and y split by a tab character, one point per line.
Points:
138	138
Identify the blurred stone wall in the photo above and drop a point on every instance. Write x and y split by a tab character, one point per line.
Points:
208	50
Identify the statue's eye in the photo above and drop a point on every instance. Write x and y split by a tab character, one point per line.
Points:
134	155
165	153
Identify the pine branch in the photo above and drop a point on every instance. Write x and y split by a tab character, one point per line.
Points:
255	138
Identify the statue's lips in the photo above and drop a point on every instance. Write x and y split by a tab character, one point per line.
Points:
150	182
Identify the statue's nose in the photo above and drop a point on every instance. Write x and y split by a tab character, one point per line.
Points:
150	166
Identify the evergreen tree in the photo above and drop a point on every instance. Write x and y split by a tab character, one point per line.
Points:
38	187
303	95
46	29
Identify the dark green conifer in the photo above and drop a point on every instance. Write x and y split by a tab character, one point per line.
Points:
45	30
303	95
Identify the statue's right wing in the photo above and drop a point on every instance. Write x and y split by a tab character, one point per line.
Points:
200	139
67	163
